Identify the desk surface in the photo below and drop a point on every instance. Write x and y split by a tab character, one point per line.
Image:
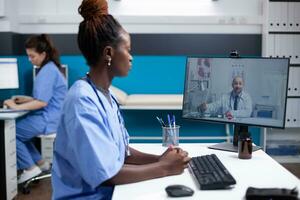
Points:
12	115
260	171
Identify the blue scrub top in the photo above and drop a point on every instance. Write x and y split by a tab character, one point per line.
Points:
49	86
89	147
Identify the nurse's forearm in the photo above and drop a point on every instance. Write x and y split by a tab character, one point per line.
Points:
135	173
140	158
32	105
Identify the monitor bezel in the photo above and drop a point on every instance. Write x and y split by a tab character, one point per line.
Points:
229	122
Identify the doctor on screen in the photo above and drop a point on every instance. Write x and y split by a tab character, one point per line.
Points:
236	103
91	151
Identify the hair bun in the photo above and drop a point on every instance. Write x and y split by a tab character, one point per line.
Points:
90	9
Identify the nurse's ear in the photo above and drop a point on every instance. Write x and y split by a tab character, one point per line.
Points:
108	54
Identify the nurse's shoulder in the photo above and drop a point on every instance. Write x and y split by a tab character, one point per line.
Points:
49	69
81	93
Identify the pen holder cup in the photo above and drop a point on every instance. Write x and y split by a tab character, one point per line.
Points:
170	135
245	147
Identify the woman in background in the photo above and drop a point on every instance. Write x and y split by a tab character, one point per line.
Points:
49	90
91	152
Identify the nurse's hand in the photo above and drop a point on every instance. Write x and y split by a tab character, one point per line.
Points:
10	103
22	99
174	160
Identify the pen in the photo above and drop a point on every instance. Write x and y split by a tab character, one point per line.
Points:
162	123
174	126
174	122
158	119
171	131
169	121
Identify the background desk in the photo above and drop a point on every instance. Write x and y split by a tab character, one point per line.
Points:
260	171
8	162
242	120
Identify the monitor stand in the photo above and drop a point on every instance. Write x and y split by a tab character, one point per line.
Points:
233	147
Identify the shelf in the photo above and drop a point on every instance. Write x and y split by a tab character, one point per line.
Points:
285	32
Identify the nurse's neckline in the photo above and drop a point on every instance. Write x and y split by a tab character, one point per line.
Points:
101	89
104	91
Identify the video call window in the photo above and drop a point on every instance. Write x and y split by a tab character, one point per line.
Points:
236	90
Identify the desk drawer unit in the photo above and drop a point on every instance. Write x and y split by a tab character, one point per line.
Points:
8	166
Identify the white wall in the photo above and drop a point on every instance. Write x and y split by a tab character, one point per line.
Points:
2	8
141	16
4	20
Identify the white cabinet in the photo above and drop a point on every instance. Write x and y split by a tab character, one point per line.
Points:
2	8
8	164
282	39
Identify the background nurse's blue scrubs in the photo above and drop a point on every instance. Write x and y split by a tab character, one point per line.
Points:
49	87
49	90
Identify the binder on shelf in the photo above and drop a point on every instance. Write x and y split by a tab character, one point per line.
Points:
291	17
297	48
290	81
294	82
277	45
279	18
292	114
297	16
288	114
297	83
285	45
291	49
273	16
270	45
283	16
298	113
290	46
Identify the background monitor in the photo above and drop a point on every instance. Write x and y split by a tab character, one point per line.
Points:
9	73
209	93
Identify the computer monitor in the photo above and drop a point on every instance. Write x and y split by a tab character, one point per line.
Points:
9	78
240	91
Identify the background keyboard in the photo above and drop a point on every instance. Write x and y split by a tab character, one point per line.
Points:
210	173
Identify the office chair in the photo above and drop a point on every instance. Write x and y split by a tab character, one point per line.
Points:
47	153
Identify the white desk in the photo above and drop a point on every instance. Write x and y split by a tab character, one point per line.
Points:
8	162
260	171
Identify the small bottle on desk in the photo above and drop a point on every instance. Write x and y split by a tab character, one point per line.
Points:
245	146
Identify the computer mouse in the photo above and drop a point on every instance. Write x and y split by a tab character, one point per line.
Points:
179	191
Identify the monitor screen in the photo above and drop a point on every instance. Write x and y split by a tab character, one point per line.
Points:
9	73
245	91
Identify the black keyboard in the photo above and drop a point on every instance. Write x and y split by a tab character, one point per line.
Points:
210	173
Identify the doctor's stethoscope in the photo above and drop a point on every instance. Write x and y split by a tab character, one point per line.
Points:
120	118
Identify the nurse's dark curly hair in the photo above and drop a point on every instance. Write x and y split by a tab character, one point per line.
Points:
42	43
97	30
